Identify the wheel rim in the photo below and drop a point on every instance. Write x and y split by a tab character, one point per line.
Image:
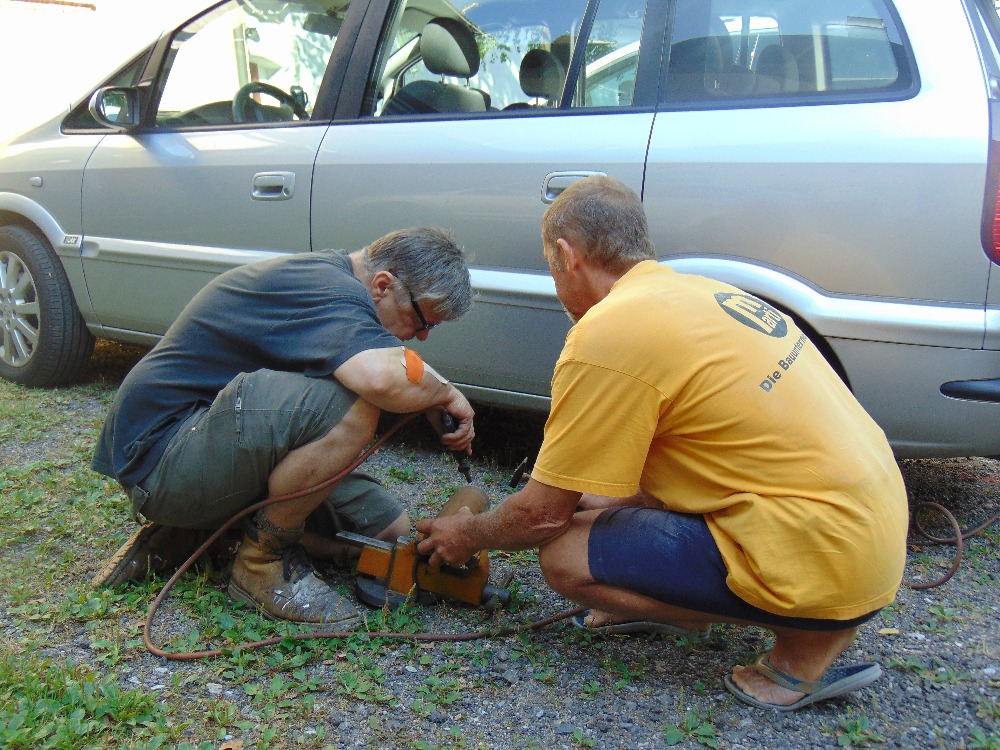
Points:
18	311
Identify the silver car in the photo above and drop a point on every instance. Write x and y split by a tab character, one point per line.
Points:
837	159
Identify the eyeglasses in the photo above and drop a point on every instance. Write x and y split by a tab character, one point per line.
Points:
424	325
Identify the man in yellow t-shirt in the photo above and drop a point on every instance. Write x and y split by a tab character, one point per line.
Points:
702	463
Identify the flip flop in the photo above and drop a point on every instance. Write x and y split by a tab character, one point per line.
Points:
638	626
836	682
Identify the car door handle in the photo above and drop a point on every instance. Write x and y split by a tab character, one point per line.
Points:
272	186
555	182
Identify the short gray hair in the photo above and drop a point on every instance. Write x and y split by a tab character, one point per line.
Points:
429	263
604	219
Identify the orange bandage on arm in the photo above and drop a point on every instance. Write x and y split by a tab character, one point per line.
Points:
414	365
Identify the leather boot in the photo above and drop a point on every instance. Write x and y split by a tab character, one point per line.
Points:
160	550
272	572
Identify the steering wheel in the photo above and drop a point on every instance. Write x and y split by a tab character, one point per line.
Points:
245	109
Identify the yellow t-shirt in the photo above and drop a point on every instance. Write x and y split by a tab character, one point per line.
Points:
717	404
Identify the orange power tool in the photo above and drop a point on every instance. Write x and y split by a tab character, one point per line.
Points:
390	572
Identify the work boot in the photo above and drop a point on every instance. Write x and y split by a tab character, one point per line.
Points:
272	572
161	550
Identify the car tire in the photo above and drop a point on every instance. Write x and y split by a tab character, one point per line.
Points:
43	339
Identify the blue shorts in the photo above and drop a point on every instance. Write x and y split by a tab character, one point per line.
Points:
672	557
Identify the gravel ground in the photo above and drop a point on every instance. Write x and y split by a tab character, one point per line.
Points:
560	688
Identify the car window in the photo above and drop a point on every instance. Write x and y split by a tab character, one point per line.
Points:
82	119
504	56
725	50
611	56
250	61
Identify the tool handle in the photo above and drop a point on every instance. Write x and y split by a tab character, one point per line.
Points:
449	424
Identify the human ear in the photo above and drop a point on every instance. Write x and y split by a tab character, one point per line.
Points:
381	284
570	256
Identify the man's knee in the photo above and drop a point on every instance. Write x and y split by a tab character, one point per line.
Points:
398	528
356	428
563	561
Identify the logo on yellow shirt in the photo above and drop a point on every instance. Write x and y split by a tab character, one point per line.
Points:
753	313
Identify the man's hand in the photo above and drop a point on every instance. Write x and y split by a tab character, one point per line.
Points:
527	519
449	540
461	433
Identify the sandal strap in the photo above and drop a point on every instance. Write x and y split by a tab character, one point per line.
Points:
764	666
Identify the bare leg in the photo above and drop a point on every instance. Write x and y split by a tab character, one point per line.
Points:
806	655
566	569
311	464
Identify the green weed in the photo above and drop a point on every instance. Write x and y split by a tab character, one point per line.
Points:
856	731
988	709
46	704
405	474
937	673
436	692
625	673
982	741
693	727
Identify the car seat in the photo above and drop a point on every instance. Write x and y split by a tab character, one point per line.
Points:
696	67
541	76
448	48
777	71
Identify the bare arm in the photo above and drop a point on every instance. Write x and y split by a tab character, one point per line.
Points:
380	377
530	518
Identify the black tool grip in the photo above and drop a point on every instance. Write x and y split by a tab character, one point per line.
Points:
450	424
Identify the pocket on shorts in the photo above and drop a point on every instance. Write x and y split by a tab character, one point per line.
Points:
138	497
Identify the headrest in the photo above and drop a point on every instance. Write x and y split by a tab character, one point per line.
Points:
542	75
698	55
777	63
448	48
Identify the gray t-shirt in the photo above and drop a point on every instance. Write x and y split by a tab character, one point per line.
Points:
304	313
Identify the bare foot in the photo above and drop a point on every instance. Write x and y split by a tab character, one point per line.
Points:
596	618
756	685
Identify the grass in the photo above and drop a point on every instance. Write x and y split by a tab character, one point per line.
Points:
57	704
74	672
67	674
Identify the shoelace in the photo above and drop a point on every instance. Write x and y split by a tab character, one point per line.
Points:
295	560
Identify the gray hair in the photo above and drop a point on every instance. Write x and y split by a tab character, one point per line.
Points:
604	219
429	263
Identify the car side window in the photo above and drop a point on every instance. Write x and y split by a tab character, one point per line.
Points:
504	56
611	57
788	49
249	61
82	119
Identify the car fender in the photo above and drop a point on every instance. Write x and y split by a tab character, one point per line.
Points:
67	246
924	323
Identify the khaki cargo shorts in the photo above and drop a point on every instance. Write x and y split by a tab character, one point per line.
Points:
220	459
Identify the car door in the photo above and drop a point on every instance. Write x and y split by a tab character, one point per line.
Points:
220	172
474	120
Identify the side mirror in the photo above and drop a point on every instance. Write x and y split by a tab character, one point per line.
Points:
116	107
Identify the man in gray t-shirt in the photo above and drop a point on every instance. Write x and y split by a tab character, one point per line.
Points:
270	381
